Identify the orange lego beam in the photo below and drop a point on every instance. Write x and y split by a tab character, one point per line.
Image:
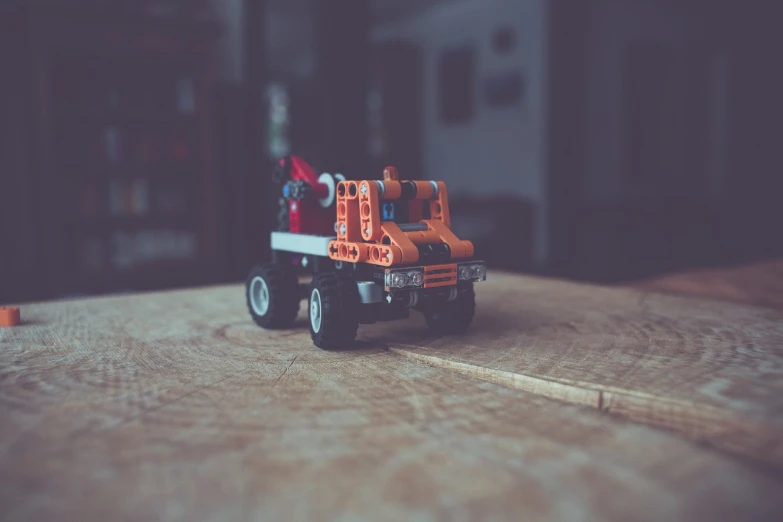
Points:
369	211
398	238
439	208
459	248
348	224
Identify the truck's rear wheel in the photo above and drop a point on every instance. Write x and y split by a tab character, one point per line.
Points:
455	316
333	310
273	296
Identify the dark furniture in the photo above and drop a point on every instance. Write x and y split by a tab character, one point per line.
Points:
109	180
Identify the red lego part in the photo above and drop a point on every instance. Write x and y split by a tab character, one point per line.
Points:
310	215
301	170
294	223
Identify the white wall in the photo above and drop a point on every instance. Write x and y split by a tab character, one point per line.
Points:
503	151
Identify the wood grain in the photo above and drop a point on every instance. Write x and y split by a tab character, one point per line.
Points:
174	406
759	284
708	370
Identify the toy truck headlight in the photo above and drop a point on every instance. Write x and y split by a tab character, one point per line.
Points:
405	278
399	280
476	271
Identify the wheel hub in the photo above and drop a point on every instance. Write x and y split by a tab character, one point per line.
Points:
315	310
259	296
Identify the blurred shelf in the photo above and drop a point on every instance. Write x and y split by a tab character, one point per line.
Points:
117	117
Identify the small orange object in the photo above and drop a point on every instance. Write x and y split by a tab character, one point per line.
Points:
9	316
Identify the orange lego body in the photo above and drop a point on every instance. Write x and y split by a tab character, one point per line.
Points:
363	237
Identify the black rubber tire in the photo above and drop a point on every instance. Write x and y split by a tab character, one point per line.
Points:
455	316
284	296
339	309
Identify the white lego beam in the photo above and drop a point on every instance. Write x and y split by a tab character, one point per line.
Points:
301	243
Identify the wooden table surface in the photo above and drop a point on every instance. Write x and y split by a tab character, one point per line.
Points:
759	284
563	402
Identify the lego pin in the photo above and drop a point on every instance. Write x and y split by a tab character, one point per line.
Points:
9	316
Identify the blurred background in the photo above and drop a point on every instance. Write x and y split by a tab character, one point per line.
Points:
595	140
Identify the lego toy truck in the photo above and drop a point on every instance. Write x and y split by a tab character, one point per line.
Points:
375	250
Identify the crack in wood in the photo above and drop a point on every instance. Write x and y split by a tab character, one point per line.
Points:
536	385
285	371
717	427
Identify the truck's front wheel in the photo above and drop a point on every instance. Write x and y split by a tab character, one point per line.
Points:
333	310
455	316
